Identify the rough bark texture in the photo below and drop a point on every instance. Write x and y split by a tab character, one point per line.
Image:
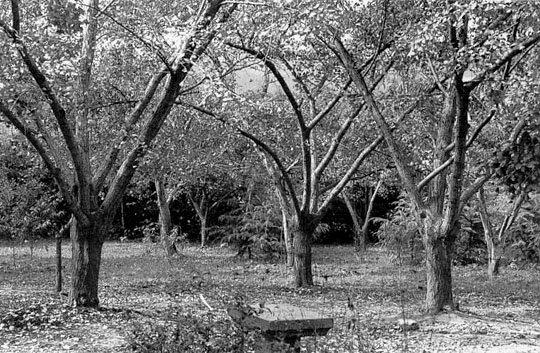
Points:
438	246
164	220
302	230
58	255
86	245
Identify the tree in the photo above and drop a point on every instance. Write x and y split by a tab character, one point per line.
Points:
461	49
310	133
93	192
518	167
360	223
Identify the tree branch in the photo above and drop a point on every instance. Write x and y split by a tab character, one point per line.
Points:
383	126
262	145
61	181
336	141
279	77
59	113
517	49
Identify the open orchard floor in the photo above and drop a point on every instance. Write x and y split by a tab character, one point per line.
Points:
146	298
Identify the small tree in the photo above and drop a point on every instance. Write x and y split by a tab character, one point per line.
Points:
518	167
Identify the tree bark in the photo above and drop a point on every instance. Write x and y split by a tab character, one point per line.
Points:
203	217
438	246
58	255
302	228
202	212
164	219
86	246
359	236
287	238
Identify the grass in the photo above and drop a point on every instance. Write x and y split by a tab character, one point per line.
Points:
140	286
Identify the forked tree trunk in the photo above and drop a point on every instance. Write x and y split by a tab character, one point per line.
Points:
165	222
495	242
359	236
86	245
302	236
438	269
287	238
202	212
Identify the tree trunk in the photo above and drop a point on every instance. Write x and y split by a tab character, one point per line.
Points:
287	238
438	268
302	237
359	236
86	245
202	212
496	243
58	256
494	261
164	219
202	218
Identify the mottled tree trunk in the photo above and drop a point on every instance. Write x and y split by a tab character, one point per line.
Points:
438	247
164	219
58	255
203	219
287	238
86	245
494	260
302	229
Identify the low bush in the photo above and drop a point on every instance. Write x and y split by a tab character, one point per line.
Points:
205	333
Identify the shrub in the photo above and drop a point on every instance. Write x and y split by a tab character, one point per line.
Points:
203	333
400	233
524	237
252	228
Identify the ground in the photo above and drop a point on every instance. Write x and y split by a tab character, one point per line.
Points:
143	293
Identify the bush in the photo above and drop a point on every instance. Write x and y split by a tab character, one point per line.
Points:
400	234
252	229
204	333
524	237
30	207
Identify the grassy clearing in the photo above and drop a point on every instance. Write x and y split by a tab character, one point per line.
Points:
139	286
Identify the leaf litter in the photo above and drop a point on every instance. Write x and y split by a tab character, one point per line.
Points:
366	299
